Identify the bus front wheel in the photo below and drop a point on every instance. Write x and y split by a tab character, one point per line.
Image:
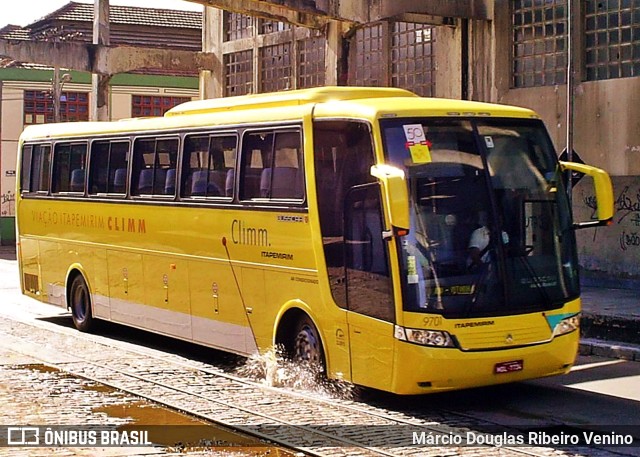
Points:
307	346
80	304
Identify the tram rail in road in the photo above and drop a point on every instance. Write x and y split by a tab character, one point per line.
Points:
300	421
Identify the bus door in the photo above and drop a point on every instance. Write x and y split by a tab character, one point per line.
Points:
369	291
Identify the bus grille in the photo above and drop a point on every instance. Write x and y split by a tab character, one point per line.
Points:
30	283
504	338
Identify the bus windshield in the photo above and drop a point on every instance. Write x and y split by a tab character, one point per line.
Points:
491	226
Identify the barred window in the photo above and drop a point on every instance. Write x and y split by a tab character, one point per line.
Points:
612	46
237	26
38	107
369	62
146	105
268	26
412	57
275	67
311	68
238	71
539	44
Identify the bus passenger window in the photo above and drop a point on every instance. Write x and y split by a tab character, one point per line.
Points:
256	156
69	168
207	162
154	165
108	167
285	178
272	166
35	168
25	166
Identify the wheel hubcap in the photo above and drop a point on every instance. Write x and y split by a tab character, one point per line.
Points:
307	348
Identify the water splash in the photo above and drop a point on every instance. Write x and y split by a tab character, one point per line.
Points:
275	369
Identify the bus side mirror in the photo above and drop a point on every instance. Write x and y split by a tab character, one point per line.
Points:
395	196
603	190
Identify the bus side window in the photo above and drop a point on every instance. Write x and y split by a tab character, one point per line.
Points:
40	168
284	179
154	165
257	151
118	164
69	172
207	162
25	168
99	167
108	167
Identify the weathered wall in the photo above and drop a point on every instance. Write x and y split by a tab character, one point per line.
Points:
11	118
606	123
610	255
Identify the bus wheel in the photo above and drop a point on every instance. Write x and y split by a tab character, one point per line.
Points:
80	303
307	347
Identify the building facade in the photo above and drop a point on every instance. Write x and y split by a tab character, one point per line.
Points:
26	90
517	53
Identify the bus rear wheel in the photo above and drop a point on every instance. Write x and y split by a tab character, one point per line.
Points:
80	304
307	346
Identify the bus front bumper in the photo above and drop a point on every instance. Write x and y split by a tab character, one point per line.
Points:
420	369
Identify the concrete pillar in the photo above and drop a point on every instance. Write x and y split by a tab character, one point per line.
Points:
212	79
334	51
448	62
100	82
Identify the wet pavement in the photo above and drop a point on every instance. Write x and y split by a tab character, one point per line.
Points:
38	395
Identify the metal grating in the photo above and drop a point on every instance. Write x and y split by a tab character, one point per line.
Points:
268	26
412	57
311	62
539	42
369	63
237	26
238	71
275	67
612	39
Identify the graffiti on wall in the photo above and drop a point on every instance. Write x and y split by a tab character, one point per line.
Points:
8	203
627	206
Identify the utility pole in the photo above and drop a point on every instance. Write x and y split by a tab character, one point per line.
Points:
100	82
570	88
57	83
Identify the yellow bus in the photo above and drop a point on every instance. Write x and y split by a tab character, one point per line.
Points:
407	244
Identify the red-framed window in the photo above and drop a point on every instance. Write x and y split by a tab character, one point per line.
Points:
148	105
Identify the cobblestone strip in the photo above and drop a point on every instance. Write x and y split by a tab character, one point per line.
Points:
210	394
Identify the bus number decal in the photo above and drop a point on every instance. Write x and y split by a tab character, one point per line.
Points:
432	321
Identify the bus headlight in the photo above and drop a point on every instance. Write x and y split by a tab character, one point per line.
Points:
567	325
436	338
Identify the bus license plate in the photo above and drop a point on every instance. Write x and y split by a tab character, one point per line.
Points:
508	367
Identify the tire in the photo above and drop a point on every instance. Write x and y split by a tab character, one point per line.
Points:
307	345
80	304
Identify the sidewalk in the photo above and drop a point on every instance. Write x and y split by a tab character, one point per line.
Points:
610	324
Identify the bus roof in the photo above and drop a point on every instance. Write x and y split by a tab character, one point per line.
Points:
287	98
366	103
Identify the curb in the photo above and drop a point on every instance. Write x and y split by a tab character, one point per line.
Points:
610	328
609	349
